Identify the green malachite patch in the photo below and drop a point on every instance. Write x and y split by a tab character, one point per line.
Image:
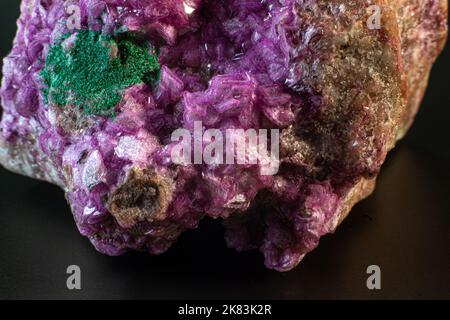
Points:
90	70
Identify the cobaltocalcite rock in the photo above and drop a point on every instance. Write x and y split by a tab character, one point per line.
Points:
341	94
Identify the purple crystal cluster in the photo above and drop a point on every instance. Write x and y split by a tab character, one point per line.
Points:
337	91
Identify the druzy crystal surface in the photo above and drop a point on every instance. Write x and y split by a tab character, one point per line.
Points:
340	91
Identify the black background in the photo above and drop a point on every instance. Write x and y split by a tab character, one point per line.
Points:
403	227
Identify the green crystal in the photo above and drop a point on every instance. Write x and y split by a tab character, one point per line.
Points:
92	70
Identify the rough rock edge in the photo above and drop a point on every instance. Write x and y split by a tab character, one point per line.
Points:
414	97
417	68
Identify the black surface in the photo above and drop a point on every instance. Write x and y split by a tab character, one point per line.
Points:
403	227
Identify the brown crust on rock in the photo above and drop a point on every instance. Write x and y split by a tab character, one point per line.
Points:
144	196
24	157
423	32
418	58
71	119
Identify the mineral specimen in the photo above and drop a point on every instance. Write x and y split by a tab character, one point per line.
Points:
93	90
